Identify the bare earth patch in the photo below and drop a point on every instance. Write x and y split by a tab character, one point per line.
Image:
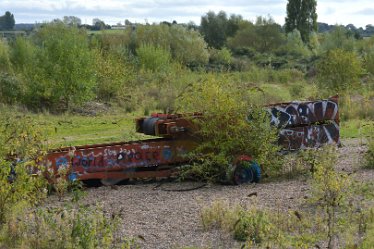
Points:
160	218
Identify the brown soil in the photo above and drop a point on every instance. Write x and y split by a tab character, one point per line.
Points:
159	218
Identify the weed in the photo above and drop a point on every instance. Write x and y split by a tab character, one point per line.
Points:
21	177
261	227
64	227
369	156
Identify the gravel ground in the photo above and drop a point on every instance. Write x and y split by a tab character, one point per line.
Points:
159	218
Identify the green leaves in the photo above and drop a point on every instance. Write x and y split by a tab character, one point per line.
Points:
301	15
339	70
225	130
62	72
21	147
153	58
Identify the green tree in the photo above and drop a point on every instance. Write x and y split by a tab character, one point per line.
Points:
233	24
62	73
216	28
187	46
157	35
301	15
295	46
221	57
338	38
72	20
22	54
21	147
98	24
339	70
7	21
263	36
213	28
153	58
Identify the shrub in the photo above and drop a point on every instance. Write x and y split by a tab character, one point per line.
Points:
369	62
64	227
297	90
111	76
252	224
232	125
153	58
10	89
220	56
22	54
188	46
339	70
21	147
5	65
330	189
369	156
62	73
261	228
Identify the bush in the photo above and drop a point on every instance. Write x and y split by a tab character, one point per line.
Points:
220	56
10	89
21	147
297	91
188	46
111	75
232	125
153	58
261	228
62	73
64	227
339	70
22	54
369	62
5	65
244	224
369	156
330	190
23	223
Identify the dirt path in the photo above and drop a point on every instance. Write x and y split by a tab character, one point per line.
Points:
166	219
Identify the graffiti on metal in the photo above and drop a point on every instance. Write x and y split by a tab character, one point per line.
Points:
301	125
120	157
309	136
294	114
306	124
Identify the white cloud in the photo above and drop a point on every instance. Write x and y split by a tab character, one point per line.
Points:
112	11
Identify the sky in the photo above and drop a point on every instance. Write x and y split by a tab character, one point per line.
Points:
358	12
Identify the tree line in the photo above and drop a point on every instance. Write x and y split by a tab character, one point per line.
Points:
60	65
7	21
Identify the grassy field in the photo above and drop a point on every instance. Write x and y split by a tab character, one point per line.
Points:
72	130
356	128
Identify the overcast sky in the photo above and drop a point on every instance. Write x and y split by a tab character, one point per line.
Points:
358	12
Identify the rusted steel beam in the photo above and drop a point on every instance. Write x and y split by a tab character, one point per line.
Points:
301	124
122	160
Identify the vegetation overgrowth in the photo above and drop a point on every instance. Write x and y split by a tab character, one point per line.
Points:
62	85
336	215
24	220
60	66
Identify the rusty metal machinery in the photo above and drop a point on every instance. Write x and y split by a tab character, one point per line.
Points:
301	124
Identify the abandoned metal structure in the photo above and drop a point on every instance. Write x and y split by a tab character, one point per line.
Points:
301	124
